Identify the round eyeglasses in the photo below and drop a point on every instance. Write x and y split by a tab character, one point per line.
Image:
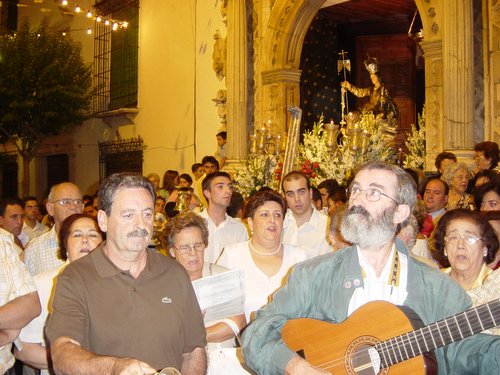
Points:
198	247
68	202
371	194
469	239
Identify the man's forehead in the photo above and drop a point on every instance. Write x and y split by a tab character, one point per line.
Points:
435	185
67	191
295	184
376	177
13	207
221	180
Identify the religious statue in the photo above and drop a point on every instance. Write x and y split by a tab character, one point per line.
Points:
219	56
380	102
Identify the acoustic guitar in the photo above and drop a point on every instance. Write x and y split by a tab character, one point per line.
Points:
381	338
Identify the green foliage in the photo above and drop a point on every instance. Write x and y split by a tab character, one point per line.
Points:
45	86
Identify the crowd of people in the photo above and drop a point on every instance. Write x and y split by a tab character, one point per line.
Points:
105	285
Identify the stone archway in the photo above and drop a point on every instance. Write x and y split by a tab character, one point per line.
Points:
278	37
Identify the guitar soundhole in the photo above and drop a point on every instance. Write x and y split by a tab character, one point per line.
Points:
358	360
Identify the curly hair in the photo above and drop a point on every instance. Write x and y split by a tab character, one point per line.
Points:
451	169
180	222
487	233
262	196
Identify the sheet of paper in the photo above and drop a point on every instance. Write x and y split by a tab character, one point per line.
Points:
222	295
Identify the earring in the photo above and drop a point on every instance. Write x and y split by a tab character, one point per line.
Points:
445	254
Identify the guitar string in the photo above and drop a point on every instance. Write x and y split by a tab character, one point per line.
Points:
363	352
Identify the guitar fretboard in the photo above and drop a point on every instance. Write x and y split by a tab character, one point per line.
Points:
441	333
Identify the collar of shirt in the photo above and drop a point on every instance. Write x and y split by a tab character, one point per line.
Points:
437	213
106	268
228	219
313	220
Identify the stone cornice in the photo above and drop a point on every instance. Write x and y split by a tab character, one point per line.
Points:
285	75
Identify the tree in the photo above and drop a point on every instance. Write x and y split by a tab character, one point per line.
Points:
45	89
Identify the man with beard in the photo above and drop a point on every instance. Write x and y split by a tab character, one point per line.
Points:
377	267
125	309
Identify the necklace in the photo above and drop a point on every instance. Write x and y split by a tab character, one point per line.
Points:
262	253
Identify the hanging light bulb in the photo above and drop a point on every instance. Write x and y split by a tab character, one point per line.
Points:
64	33
89	14
64	3
98	19
106	22
125	24
89	31
115	26
78	9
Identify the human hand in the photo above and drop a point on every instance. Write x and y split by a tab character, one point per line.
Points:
131	366
297	365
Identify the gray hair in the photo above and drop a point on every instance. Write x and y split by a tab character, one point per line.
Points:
405	189
118	181
453	168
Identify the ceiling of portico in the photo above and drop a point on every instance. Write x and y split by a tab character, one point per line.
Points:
353	11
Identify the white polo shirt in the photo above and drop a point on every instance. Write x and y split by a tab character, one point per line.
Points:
230	231
311	235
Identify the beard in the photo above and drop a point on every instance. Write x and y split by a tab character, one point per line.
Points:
359	228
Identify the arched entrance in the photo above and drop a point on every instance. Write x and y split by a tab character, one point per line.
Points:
278	39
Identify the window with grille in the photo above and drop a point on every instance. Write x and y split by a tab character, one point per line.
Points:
120	155
116	55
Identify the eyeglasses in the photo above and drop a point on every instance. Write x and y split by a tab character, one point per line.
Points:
69	202
198	247
470	239
371	195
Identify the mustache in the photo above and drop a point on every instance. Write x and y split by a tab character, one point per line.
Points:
138	233
358	210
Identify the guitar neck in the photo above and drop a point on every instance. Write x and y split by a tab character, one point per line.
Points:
441	333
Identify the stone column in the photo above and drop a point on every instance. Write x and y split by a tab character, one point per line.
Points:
433	100
281	89
458	69
236	82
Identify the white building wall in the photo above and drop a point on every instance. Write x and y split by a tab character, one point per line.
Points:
177	118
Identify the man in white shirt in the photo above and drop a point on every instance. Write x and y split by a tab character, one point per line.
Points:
303	226
42	253
12	217
223	230
31	227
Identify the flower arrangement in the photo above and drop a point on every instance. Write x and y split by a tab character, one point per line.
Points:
369	138
258	171
415	143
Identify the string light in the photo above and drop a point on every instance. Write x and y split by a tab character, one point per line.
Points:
113	23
